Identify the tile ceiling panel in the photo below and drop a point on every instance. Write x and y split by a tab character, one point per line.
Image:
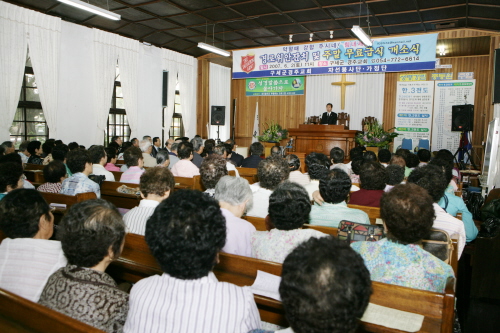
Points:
163	9
195	4
274	19
397	18
135	30
160	24
391	7
220	14
103	23
322	25
286	5
271	40
252	9
188	19
439	3
132	14
254	33
309	15
159	38
443	14
290	29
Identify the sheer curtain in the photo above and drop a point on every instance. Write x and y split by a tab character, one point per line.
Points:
12	60
220	94
187	69
364	98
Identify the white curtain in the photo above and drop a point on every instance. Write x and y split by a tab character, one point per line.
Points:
220	94
169	64
12	60
44	40
364	98
187	69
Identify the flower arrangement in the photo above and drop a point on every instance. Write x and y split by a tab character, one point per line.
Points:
374	135
273	132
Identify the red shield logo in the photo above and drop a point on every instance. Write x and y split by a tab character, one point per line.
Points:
248	63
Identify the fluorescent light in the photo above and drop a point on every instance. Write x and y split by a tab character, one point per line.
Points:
214	49
362	36
93	9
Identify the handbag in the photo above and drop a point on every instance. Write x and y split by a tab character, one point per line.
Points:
439	244
97	179
354	232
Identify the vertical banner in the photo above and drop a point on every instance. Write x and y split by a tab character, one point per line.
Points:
447	94
414	111
256	129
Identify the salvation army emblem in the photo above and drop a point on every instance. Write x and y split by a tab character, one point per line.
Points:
248	63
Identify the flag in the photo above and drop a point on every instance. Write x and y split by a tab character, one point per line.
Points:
256	129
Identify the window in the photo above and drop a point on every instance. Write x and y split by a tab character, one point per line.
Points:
29	122
176	127
117	119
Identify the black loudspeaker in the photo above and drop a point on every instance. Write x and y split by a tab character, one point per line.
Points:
164	90
462	117
218	115
496	78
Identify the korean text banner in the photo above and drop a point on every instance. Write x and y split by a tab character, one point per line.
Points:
396	54
275	86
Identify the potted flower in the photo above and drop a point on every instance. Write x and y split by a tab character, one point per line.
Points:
273	133
374	135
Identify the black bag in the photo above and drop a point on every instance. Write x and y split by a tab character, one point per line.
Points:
97	178
439	244
491	210
490	227
474	202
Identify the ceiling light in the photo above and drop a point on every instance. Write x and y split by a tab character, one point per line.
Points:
362	36
291	36
311	37
93	9
214	49
442	50
331	33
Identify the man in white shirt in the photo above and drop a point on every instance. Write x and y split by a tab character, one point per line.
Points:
185	234
99	160
235	197
23	151
146	149
155	185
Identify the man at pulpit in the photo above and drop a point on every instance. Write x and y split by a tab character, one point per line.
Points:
329	117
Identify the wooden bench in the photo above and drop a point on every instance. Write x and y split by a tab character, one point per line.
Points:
68	200
136	262
189	183
249	174
35	177
18	314
372	212
120	200
117	174
30	166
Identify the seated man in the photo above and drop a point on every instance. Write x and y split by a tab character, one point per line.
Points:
252	161
236	158
212	169
11	177
99	160
134	160
23	151
334	188
185	167
222	150
155	185
27	256
373	178
235	197
315	299
35	150
8	147
197	143
433	180
272	171
173	155
296	176
80	164
185	234
337	159
147	148
54	174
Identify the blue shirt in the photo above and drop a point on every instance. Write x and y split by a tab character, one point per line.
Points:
79	183
330	215
457	205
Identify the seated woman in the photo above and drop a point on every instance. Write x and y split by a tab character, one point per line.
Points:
162	158
408	214
27	256
11	177
54	174
35	150
135	162
289	209
296	175
111	159
213	168
185	167
334	188
92	235
373	178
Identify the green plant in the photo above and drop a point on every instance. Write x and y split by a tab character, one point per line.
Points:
273	132
374	135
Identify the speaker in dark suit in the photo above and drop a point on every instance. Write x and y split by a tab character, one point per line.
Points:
329	119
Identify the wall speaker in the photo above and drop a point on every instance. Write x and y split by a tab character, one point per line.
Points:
496	78
462	117
218	115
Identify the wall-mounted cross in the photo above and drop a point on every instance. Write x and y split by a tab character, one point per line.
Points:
342	83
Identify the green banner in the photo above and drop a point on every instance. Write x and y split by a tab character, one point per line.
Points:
411	129
275	86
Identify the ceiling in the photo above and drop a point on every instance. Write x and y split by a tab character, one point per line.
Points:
234	24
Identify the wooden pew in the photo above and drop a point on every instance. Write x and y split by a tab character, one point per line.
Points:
117	174
68	200
249	174
36	177
120	200
30	166
18	314
189	183
373	212
258	222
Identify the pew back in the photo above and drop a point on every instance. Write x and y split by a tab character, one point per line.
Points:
249	174
189	183
373	212
30	166
121	200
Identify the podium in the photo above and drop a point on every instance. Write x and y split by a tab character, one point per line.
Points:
322	138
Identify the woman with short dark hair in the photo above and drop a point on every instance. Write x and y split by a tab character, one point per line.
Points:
373	178
54	174
35	150
92	235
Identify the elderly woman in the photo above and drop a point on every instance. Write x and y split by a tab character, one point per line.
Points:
54	174
408	214
92	235
235	197
373	177
35	150
135	162
213	168
185	167
163	158
296	175
27	256
289	209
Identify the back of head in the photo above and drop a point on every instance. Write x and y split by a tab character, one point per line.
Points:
373	176
162	156
32	146
408	213
184	150
110	153
174	146
131	156
325	287
293	162
89	229
185	233
356	166
446	166
7	144
10	173
73	146
212	169
317	158
125	146
412	161
272	171
156	181
398	160
289	206
54	171
231	143
24	146
96	153
384	155
20	212
369	156
424	155
11	158
197	143
445	154
337	155
59	152
76	160
234	191
276	151
220	149
256	148
144	145
431	178
316	171
396	174
47	147
356	153
335	186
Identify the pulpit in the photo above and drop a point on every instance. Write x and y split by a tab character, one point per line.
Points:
322	138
